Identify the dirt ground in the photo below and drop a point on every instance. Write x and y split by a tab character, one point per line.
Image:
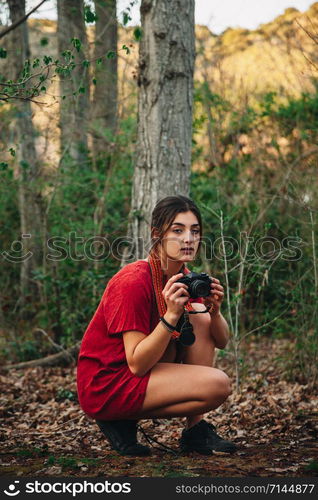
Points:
273	421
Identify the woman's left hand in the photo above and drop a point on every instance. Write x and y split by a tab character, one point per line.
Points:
216	296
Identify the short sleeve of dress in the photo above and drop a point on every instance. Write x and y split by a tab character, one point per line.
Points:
127	306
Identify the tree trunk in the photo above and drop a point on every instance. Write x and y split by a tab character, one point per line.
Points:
165	79
27	166
74	109
105	92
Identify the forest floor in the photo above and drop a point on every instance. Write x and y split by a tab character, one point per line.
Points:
273	421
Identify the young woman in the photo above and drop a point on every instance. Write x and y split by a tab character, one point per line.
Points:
132	364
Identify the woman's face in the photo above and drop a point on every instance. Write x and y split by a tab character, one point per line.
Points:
182	238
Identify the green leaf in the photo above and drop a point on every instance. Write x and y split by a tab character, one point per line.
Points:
127	49
67	54
36	63
138	33
126	18
110	54
94	81
81	90
44	41
3	53
3	165
12	152
86	63
99	61
47	59
90	17
43	89
76	44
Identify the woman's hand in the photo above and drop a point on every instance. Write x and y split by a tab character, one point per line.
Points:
216	296
176	296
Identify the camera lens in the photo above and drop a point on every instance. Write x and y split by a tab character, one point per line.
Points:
199	289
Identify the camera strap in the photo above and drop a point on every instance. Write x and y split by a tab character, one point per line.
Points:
187	336
184	330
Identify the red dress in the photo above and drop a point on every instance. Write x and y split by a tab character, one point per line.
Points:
107	389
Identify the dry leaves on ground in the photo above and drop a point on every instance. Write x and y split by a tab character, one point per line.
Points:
274	423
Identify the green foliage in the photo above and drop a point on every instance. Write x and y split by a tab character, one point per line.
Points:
71	280
242	122
23	351
278	287
32	452
312	466
126	49
90	17
62	394
267	103
126	18
34	73
67	462
44	41
77	44
138	33
38	71
300	113
72	462
126	14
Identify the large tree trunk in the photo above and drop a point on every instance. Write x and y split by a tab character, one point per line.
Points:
74	109
163	157
27	165
105	93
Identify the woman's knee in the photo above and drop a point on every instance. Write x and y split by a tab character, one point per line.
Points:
218	385
201	322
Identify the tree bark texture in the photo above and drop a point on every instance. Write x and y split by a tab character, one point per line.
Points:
165	79
105	92
74	109
27	166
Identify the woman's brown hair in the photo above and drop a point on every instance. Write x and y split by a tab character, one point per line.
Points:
164	214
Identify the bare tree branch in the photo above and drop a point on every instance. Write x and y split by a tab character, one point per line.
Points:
20	21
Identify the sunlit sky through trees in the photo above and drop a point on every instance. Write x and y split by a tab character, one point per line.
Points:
217	14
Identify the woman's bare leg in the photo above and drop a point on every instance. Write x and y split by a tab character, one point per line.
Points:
177	390
201	352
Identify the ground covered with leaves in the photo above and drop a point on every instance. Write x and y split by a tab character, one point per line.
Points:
273	421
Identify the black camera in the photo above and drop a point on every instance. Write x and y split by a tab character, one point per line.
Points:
198	284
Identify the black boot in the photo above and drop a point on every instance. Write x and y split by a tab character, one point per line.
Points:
122	435
203	439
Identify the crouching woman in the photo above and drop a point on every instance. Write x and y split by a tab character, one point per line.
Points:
148	350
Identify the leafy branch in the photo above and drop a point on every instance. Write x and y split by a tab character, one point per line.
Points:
36	74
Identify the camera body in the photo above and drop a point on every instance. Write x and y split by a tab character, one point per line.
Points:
198	284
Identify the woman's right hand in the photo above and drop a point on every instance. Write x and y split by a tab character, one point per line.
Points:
176	296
